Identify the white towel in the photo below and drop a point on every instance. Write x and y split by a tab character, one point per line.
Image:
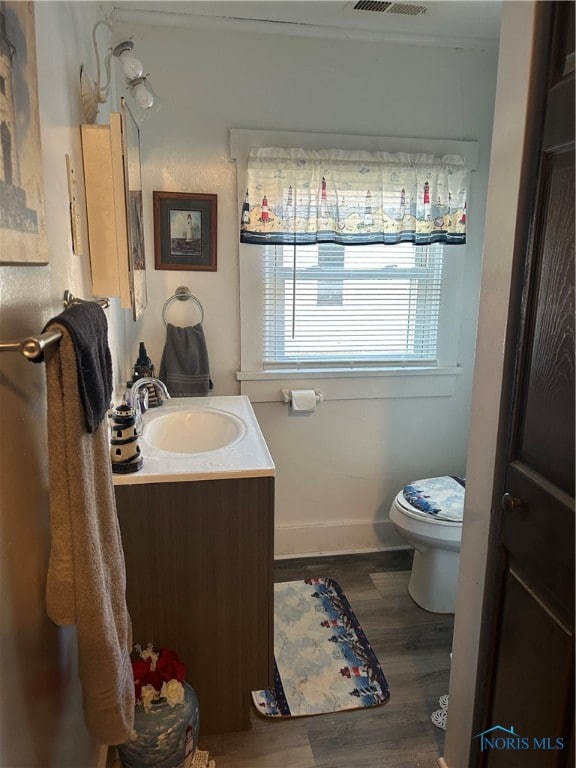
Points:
86	582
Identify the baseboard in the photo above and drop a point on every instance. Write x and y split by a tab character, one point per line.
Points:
307	555
308	540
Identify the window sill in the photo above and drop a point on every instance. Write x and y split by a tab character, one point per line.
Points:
351	384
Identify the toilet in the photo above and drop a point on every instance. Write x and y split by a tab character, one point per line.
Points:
428	515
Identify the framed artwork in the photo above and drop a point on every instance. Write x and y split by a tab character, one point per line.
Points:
185	231
23	237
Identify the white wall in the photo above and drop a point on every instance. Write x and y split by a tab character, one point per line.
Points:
41	719
338	470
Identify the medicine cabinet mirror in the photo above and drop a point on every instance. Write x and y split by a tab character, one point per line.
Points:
133	181
112	174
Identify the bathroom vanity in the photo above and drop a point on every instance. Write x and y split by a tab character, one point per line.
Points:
197	527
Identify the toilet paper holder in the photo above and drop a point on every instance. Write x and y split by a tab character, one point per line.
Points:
287	395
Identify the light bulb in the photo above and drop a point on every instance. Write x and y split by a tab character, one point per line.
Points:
142	96
132	66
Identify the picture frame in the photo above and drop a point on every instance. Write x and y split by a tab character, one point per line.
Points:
185	231
23	235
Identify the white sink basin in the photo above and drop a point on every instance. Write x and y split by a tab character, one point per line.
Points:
194	431
201	438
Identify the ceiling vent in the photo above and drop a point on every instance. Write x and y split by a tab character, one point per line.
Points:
402	9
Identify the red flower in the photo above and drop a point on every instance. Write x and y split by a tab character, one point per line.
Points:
155	679
141	672
169	666
140	668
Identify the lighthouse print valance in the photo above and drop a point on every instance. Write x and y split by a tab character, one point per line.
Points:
353	197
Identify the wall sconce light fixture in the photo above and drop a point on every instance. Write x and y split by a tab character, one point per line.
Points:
93	93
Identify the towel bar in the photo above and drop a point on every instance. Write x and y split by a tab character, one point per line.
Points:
33	346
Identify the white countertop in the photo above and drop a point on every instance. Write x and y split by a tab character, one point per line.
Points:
247	457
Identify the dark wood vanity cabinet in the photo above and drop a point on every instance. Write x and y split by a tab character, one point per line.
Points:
199	561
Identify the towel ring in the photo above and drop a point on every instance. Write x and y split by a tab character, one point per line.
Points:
182	294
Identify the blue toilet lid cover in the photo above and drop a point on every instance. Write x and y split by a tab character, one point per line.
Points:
440	497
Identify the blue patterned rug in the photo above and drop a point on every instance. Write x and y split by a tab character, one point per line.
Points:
322	659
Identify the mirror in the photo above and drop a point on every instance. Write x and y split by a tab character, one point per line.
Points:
133	183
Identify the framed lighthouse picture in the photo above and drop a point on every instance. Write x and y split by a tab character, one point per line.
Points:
23	237
185	231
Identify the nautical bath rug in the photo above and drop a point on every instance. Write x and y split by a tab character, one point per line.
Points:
322	659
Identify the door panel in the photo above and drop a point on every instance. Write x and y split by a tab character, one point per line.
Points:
537	673
547	444
539	535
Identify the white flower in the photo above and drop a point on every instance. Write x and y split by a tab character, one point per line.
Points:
148	653
148	694
173	692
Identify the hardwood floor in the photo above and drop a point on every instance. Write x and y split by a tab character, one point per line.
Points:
413	647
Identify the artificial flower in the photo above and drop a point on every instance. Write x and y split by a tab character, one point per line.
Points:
158	674
169	665
173	692
149	654
147	696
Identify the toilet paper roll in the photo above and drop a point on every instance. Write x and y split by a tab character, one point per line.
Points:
303	400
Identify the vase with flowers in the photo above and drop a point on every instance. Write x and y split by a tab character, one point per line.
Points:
166	718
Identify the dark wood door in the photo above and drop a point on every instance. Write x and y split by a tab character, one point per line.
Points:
527	709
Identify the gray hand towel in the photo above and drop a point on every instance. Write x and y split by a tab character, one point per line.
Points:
87	325
184	367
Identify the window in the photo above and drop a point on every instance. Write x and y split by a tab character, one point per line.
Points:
355	320
334	305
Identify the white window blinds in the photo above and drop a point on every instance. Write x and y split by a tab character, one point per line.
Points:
346	305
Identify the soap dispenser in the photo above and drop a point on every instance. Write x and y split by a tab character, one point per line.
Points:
143	367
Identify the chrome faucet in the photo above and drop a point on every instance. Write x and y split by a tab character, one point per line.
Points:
139	400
